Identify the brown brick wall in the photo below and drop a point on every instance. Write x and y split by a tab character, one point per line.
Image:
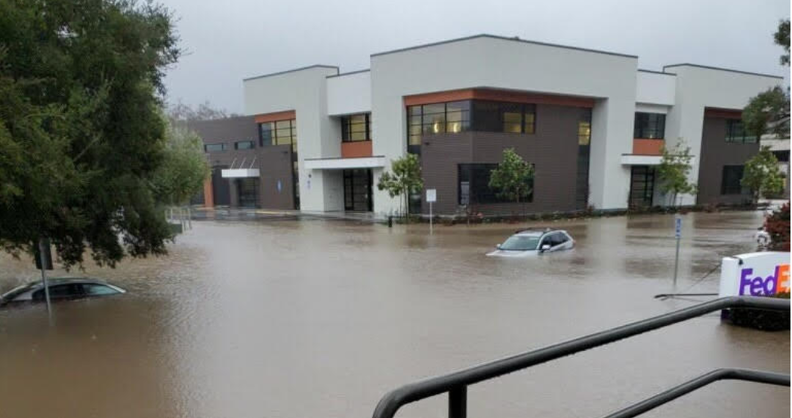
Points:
553	150
273	162
716	153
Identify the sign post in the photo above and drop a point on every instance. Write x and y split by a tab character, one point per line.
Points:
431	197
678	222
44	262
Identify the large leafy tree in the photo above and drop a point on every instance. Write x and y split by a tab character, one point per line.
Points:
762	175
81	130
513	178
403	179
781	38
673	171
768	112
184	166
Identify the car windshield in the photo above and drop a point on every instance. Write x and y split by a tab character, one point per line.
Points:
521	243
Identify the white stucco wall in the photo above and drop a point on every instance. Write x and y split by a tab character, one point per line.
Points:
654	88
349	93
698	88
509	64
305	92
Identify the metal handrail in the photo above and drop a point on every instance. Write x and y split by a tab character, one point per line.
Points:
669	395
456	383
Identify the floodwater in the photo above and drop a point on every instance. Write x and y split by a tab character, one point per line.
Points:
320	318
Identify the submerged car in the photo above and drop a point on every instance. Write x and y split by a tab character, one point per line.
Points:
60	288
534	241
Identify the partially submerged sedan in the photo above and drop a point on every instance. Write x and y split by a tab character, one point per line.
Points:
64	288
530	242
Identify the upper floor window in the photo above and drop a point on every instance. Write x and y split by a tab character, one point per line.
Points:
735	132
214	147
282	132
244	145
356	128
516	118
437	118
649	125
469	115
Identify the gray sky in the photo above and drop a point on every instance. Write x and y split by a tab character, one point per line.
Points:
229	40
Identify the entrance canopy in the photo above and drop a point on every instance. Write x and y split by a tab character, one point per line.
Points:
344	163
235	173
634	159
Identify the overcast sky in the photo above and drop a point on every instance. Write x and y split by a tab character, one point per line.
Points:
226	41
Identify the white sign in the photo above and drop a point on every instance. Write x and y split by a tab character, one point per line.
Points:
755	274
431	195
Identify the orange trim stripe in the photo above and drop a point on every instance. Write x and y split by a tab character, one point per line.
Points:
498	96
642	146
714	112
356	149
272	117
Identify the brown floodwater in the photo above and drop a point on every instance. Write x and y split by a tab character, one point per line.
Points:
320	318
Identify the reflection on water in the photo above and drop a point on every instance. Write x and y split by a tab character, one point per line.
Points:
289	319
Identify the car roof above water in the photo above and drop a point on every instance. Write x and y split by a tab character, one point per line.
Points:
536	232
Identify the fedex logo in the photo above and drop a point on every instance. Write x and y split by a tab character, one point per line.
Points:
778	282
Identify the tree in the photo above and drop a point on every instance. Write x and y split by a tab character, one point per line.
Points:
781	38
404	179
513	178
769	108
762	176
205	111
184	167
673	171
81	131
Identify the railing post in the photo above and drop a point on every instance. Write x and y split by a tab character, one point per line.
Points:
457	402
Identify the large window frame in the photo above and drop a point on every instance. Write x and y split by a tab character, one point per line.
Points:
735	132
469	115
356	128
477	190
279	132
649	125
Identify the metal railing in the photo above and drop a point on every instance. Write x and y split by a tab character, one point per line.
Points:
456	383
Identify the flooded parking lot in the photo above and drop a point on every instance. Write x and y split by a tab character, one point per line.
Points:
321	318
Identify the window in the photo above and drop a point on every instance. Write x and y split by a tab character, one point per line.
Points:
282	132
474	185
437	118
356	128
732	176
244	145
265	133
735	132
61	291
504	117
98	290
521	243
215	147
649	125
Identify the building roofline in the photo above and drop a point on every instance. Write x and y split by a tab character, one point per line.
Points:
349	73
291	71
640	70
503	38
707	67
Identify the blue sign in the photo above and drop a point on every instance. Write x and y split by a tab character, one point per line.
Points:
678	227
280	186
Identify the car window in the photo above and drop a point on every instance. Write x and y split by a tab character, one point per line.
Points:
549	240
60	291
98	289
520	243
562	237
11	294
